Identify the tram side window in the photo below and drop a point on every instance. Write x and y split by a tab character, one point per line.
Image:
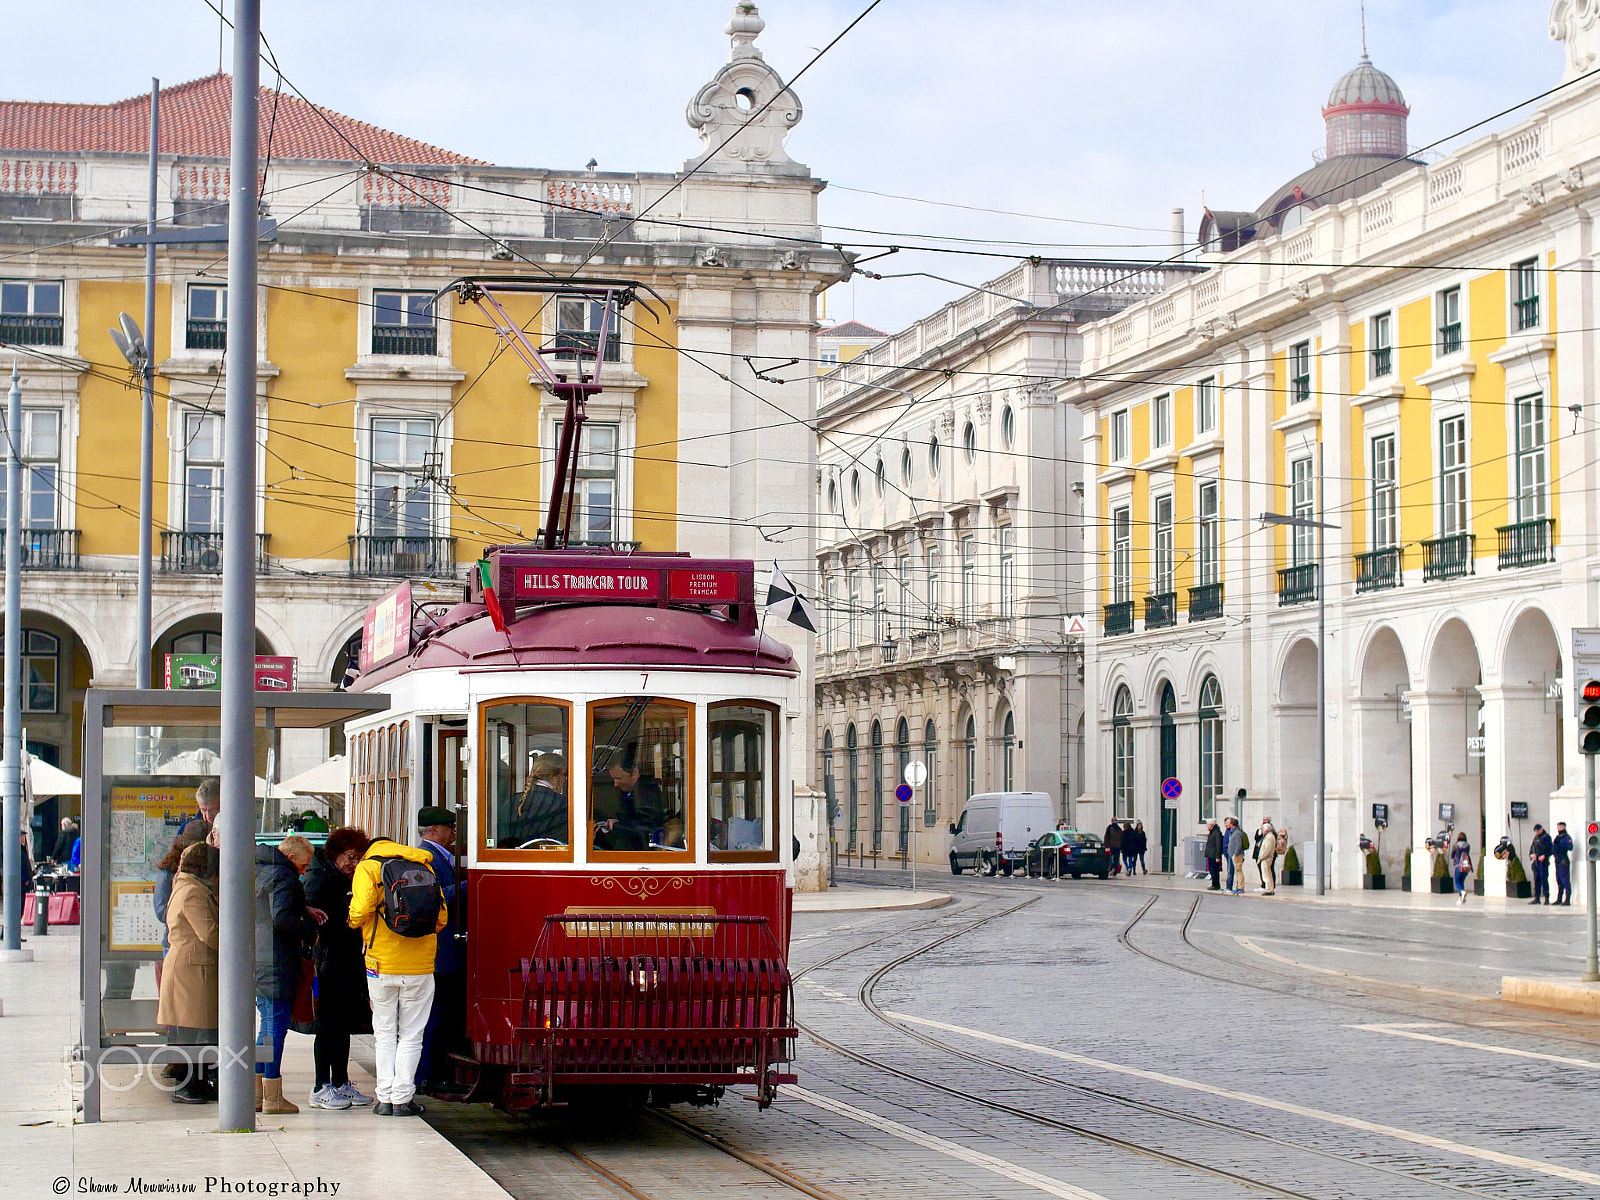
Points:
526	749
742	766
639	775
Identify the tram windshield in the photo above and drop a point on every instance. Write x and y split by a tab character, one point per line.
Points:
742	770
528	784
639	775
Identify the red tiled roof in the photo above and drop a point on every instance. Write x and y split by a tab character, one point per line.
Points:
195	120
851	329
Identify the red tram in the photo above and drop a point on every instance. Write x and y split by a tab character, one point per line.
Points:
610	729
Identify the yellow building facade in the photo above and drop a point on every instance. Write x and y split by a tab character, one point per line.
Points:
1401	351
396	437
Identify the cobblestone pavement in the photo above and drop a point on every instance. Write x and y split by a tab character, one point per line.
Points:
1089	1039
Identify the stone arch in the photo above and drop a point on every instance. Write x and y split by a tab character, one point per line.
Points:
1384	764
58	666
1525	743
330	655
1205	663
81	625
1296	710
1450	709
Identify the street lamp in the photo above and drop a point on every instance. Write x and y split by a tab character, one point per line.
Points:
1319	525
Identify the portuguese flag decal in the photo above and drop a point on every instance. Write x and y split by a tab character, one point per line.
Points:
491	598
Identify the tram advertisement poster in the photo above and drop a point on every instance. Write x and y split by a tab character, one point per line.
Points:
386	631
203	672
145	817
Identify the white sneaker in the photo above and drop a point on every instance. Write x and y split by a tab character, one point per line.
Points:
327	1096
351	1093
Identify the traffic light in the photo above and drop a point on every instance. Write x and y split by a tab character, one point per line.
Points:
1589	718
1594	841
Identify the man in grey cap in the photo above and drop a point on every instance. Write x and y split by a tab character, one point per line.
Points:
446	1029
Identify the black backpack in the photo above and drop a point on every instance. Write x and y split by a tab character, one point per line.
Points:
411	896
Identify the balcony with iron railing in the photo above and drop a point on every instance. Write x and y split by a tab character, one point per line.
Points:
1527	312
1297	584
1160	610
184	553
1382	361
1119	618
47	550
1527	543
30	329
417	340
382	555
1378	569
1448	557
1450	337
1205	602
205	335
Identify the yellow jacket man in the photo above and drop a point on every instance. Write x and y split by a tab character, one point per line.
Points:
399	973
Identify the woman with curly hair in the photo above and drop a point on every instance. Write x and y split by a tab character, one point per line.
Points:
341	989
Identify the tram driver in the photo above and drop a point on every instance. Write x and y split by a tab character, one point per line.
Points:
633	805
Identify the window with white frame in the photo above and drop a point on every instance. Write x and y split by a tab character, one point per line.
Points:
1008	427
39	452
1121	555
1121	442
830	618
1162	584
905	467
933	458
1210	747
902	587
1385	494
1303	506
1452	476
402	323
880	608
1122	753
41	670
969	442
1210	534
1205	405
202	472
854	580
1449	306
1525	295
30	312
1380	354
595	480
969	578
1299	372
933	565
206	325
404	477
1008	571
878	479
1533	476
1161	420
578	322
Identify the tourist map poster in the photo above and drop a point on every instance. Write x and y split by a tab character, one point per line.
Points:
145	816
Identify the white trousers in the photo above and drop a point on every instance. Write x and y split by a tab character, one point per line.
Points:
400	1008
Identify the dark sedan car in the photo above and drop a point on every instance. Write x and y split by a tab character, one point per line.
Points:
1069	852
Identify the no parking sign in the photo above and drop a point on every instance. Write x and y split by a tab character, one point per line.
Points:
1171	789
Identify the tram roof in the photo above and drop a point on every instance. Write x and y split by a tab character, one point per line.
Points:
590	636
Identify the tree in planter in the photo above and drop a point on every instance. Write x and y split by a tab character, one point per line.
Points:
1405	871
1372	876
1441	884
1477	886
1518	886
1292	875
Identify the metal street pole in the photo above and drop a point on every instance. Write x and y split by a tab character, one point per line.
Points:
11	768
1322	688
147	414
236	977
1591	961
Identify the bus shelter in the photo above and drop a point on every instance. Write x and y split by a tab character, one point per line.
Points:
140	773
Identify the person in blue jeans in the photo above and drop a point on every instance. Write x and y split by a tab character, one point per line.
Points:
284	924
1461	866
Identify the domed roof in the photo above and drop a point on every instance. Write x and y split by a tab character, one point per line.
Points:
1334	180
1366	85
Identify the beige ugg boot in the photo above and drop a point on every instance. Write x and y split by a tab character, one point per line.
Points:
272	1100
259	1078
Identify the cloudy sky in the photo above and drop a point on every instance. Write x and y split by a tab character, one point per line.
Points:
1094	118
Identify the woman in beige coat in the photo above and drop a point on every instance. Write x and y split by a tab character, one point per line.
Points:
188	1005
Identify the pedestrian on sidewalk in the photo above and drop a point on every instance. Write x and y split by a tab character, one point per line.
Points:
166	874
284	924
1142	841
399	966
1461	866
188	990
1267	857
1561	851
342	1005
1540	851
1234	845
1114	846
447	1022
1214	855
62	850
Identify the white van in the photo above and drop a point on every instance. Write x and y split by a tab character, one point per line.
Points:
1018	818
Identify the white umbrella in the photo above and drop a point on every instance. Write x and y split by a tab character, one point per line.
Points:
45	780
202	762
330	778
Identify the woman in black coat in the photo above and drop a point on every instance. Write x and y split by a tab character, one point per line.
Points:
342	1005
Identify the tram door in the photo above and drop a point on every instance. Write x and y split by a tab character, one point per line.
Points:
1169	770
450	782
